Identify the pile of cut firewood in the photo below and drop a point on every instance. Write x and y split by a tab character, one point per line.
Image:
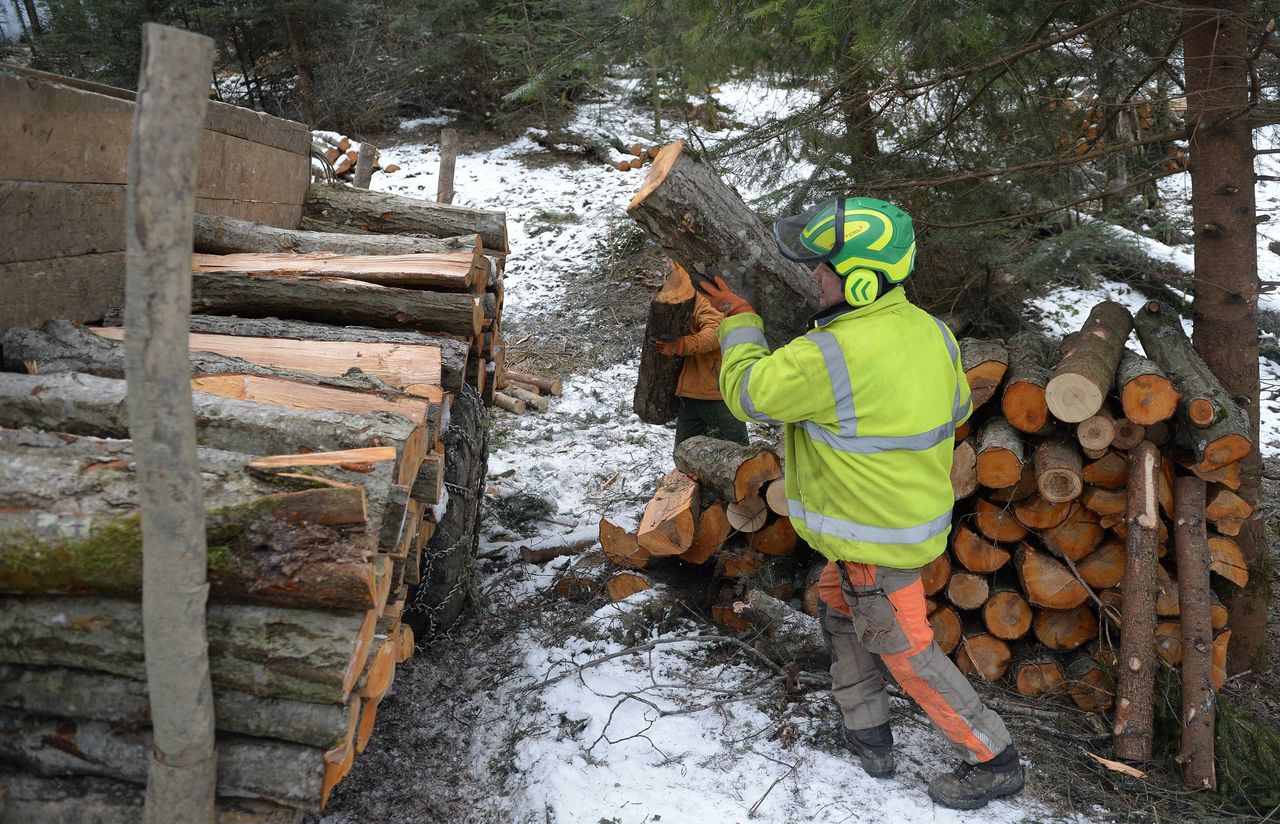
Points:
343	470
519	392
343	153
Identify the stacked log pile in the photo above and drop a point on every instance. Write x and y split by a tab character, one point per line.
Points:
343	153
342	469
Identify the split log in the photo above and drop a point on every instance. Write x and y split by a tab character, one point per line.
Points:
292	394
1146	393
1128	434
1168	602
935	574
440	273
786	634
621	547
976	554
1001	454
222	235
748	515
1211	425
709	536
983	655
1221	642
998	523
1076	537
1229	475
967	590
775	495
1097	431
1038	676
551	386
1105	502
1104	567
1227	559
985	364
1034	512
335	300
1058	471
1088	683
1066	629
1083	378
299	654
731	470
670	314
1110	471
394	214
775	539
964	470
285	773
1135	689
670	517
1227	511
1046	581
1006	614
82	695
1195	635
702	224
947	627
1030	363
1218	615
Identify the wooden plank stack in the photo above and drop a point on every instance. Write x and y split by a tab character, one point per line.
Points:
343	470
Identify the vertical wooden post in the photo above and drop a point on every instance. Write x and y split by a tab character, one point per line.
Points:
364	165
173	95
448	159
1195	599
1135	690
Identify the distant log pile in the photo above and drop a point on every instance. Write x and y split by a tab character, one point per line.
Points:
343	153
343	469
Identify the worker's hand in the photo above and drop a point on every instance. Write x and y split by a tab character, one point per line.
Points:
670	345
722	297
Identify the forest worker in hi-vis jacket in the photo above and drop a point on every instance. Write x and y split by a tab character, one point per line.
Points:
870	397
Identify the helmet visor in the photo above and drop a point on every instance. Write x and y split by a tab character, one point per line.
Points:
814	235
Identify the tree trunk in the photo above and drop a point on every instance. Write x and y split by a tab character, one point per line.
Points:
304	655
731	470
448	162
1198	696
785	633
670	517
1097	431
365	161
1226	285
222	235
1031	358
337	301
1136	679
1146	393
1001	454
703	225
670	315
397	215
985	364
159	208
1084	376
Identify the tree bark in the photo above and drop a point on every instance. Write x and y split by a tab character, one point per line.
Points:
985	364
703	225
787	634
159	210
394	214
222	235
337	301
731	470
1030	367
1135	689
448	162
670	315
1058	470
1198	697
1083	378
365	162
1223	209
1001	454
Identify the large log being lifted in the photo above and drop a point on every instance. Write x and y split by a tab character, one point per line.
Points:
335	300
670	314
1084	376
69	524
1212	426
221	235
733	471
447	273
394	214
272	652
703	225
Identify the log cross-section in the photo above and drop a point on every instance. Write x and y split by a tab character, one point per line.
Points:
731	470
671	516
1083	378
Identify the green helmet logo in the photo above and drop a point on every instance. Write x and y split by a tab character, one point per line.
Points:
877	235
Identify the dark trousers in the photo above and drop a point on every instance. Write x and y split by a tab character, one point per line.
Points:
699	417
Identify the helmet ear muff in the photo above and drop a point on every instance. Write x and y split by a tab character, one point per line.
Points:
862	286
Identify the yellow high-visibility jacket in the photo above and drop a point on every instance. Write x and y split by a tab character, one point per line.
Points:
871	399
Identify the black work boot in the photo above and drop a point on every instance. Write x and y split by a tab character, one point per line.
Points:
874	747
971	786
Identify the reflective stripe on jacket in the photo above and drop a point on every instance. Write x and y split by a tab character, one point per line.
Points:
871	398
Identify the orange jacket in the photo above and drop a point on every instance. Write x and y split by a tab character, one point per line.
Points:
700	377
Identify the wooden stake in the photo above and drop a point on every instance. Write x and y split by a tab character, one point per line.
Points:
1198	697
1135	689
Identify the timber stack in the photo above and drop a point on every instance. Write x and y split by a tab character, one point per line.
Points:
1064	479
343	153
343	468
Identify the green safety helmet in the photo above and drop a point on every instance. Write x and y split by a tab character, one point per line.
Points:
869	243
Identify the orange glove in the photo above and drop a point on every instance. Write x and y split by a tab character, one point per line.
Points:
722	297
670	345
